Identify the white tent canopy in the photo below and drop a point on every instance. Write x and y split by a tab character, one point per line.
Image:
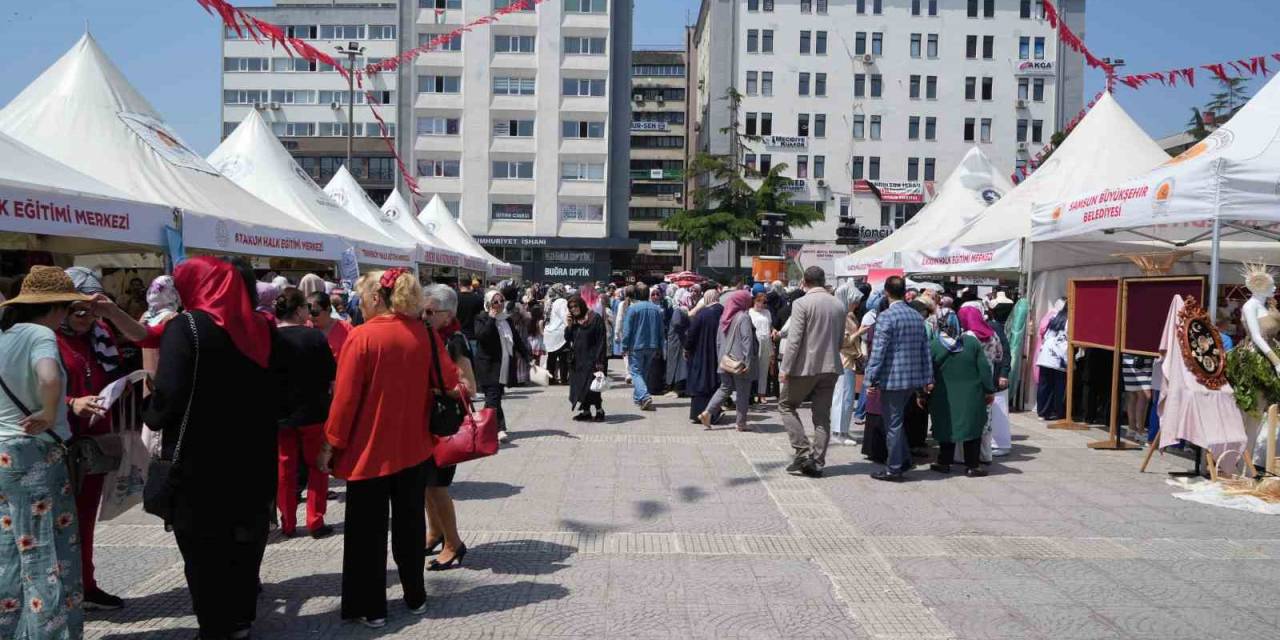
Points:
1107	144
397	211
360	212
83	112
49	206
253	158
440	223
972	187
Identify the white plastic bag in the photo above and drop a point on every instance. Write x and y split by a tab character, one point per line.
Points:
600	384
122	488
539	375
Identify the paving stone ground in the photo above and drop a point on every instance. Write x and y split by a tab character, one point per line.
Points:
649	527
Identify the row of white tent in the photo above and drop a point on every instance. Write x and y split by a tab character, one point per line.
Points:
1106	193
87	166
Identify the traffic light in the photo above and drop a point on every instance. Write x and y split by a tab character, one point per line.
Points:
849	232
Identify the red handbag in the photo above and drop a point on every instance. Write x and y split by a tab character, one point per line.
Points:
476	438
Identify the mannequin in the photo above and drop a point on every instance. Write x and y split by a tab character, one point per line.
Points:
1262	321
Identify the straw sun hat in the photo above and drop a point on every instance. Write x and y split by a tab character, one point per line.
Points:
47	285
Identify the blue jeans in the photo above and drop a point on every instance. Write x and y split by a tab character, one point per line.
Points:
639	361
893	404
860	409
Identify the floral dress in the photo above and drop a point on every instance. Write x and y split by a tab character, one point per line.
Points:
40	588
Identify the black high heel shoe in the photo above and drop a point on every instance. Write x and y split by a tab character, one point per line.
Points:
436	547
455	561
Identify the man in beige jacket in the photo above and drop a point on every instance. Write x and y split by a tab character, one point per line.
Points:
809	370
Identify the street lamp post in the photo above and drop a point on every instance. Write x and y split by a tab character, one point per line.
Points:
352	50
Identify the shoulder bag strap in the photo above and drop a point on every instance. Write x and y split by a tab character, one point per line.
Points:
438	383
195	369
14	399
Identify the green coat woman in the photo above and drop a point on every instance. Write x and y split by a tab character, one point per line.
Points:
962	382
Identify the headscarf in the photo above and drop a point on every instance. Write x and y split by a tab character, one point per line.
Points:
104	345
757	288
709	297
281	283
589	296
311	283
215	288
488	300
162	300
971	320
848	295
734	303
683	299
267	294
85	280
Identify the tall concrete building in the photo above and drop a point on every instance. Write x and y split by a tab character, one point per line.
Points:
523	128
871	102
306	104
659	116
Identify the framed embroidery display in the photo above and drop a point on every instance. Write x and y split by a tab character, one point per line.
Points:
1202	345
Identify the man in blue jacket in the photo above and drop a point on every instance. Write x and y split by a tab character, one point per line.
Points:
900	366
642	336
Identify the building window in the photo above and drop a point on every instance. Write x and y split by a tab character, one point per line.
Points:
820	84
748	159
804	84
988	8
586	6
669	117
913	169
584	46
439	168
440	4
342	32
752	83
442	43
873	167
1037	131
513	128
988	47
766	123
766	41
819	167
913	128
820	43
931	49
806	6
913	90
859	126
973	8
751	123
1024	9
766	83
766	162
577	212
969	124
653	213
658	70
933	7
582	171
753	40
859	85
1024	88
877	43
856	168
822	6
806	42
802	167
875	127
657	142
1024	48
513	169
929	169
877	7
245	96
583	87
1039	49
986	129
437	126
1037	89
971	47
1023	126
930	128
860	42
931	88
915	7
513	44
382	32
970	88
987	88
511	211
581	129
439	84
876	85
294	96
861	6
507	86
802	125
246	65
819	125
916	41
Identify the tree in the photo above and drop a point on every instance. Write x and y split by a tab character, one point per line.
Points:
1197	128
1055	141
1235	92
728	207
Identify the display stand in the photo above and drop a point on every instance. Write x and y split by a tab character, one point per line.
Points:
1093	306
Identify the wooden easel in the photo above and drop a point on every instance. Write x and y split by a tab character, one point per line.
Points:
1067	422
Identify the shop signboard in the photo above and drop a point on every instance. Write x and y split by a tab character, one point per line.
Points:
892	192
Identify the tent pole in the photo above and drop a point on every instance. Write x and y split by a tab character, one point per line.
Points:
1213	268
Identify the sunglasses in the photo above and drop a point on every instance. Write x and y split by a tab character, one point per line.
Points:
81	312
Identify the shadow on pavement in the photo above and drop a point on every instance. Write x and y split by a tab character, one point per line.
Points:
483	490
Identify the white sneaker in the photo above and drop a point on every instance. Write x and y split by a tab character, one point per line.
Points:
844	440
374	623
503	437
1000	453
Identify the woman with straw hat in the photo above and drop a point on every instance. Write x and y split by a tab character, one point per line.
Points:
38	511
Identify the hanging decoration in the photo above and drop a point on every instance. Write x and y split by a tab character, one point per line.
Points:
1073	41
1022	174
1251	66
242	23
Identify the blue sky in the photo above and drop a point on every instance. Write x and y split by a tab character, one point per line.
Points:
169	48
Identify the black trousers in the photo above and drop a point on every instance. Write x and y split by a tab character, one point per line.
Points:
972	452
558	365
1051	394
222	574
493	400
364	552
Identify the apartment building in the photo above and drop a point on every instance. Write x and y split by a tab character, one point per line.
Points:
306	104
659	113
523	128
869	103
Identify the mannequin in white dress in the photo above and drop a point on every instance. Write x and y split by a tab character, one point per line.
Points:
1262	321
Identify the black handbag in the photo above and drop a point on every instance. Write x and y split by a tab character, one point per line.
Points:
446	413
158	492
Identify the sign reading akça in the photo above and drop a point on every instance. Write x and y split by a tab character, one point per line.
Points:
1035	68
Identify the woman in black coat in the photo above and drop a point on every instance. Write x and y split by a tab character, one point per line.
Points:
590	356
701	345
498	349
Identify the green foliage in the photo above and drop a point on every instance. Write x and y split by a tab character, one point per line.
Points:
1197	128
1055	141
1252	378
1234	93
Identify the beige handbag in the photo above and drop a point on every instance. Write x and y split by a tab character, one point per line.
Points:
732	365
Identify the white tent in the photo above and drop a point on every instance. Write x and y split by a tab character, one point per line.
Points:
397	211
83	112
253	158
972	187
1106	145
1219	198
47	205
440	223
361	213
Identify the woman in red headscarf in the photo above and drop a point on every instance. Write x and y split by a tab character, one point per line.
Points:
215	406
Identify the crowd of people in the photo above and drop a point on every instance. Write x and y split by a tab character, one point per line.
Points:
341	381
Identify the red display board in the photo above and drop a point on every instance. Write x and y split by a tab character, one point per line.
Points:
1146	305
1095	309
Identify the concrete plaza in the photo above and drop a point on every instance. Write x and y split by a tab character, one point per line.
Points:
648	526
